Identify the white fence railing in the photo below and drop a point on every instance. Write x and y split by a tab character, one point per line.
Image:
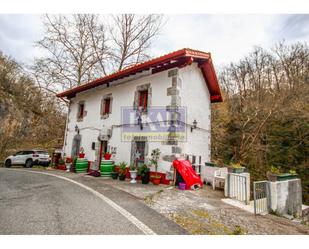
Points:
238	187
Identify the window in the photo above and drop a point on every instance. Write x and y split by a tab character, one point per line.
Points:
143	98
28	152
81	111
106	104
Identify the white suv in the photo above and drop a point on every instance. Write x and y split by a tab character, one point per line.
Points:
28	158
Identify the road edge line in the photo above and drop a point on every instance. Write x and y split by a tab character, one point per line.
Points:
135	221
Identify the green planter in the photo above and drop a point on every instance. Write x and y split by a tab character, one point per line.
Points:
81	165
281	177
106	168
236	170
210	164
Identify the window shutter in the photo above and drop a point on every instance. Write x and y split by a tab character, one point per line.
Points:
78	111
84	110
107	106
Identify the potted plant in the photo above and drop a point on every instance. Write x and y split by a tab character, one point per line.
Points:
61	164
133	173
122	171
275	174
115	175
81	153
68	163
107	156
236	168
144	172
155	155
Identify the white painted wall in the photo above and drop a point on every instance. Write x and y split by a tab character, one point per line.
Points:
194	95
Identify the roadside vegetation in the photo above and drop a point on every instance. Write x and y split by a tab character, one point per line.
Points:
29	117
263	122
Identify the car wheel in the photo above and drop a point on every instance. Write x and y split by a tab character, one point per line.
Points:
29	163
8	163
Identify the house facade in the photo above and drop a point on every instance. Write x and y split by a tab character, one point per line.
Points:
114	113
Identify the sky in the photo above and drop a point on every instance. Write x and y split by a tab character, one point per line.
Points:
227	37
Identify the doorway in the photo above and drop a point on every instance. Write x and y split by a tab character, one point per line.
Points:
103	150
138	153
76	145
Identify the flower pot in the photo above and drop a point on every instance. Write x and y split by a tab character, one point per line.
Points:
61	167
68	166
280	177
107	156
81	155
182	186
287	176
210	164
156	180
133	175
236	170
114	175
122	177
146	178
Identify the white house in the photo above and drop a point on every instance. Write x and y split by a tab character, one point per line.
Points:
179	86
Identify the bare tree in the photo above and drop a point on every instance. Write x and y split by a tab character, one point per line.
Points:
80	48
132	36
75	48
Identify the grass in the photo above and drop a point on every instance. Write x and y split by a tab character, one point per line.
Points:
38	167
199	222
149	199
239	231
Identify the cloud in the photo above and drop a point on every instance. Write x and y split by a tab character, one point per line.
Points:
292	27
18	34
227	37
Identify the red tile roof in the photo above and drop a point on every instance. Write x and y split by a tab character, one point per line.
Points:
179	58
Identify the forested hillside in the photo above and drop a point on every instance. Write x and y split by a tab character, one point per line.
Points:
29	117
264	119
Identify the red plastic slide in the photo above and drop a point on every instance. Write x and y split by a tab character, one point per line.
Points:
185	169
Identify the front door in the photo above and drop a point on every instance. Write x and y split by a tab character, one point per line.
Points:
75	145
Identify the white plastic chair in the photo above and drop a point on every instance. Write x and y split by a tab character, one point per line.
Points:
220	176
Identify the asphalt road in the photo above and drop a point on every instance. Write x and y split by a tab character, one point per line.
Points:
33	203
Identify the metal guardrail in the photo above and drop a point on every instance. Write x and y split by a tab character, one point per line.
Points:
261	197
237	187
